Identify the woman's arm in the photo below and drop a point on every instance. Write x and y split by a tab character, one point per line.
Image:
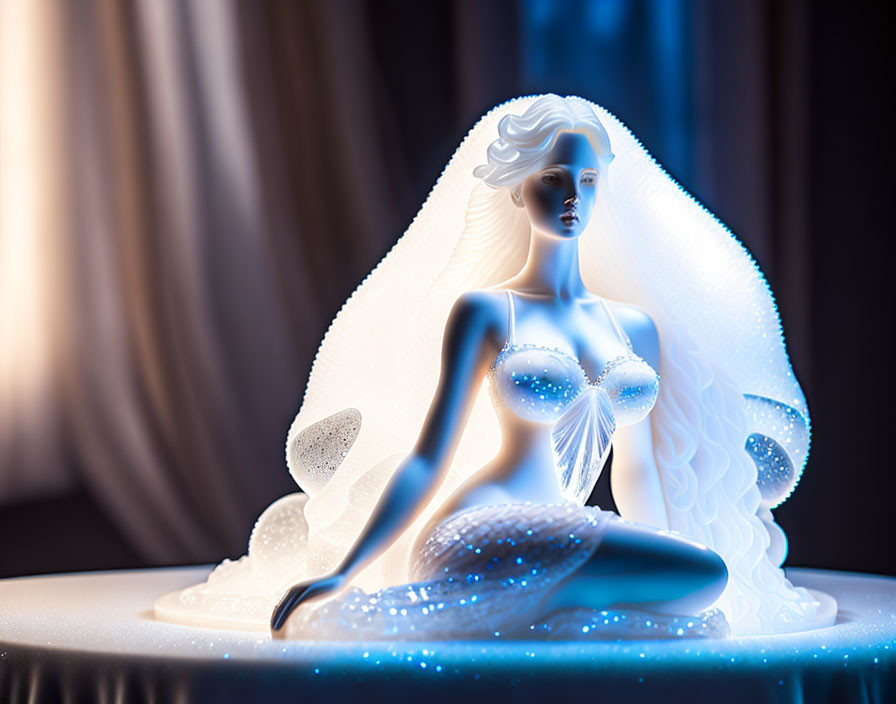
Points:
465	359
634	477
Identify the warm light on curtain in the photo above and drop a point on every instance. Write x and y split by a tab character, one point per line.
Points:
160	295
31	236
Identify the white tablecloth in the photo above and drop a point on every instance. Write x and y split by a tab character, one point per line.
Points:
92	637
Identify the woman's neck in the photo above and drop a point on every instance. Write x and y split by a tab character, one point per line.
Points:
552	268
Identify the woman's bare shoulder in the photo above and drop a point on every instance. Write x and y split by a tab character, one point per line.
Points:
488	303
632	316
639	326
484	309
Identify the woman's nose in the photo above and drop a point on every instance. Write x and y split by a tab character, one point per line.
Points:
572	200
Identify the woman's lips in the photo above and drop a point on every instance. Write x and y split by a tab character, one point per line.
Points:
569	218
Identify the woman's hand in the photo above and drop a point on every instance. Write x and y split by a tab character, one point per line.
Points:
301	592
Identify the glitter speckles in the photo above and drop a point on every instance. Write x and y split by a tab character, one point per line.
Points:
612	624
319	449
472	585
632	386
481	571
540	383
778	444
536	383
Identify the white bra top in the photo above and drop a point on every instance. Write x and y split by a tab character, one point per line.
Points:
544	385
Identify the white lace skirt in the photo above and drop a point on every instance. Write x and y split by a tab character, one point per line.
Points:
482	572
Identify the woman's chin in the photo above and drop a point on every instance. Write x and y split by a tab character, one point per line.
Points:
562	232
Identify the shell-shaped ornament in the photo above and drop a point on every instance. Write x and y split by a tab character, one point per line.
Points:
582	437
778	444
314	453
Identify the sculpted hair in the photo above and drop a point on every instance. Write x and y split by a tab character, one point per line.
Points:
524	141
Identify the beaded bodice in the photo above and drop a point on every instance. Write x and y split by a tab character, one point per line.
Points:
543	385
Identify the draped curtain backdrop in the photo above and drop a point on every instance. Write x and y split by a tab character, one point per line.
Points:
189	190
216	189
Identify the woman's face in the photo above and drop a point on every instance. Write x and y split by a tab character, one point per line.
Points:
560	197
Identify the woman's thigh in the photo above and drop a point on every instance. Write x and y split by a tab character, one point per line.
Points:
638	565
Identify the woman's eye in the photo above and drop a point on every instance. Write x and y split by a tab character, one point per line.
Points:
587	180
549	178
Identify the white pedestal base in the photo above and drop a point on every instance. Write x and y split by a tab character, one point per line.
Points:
94	637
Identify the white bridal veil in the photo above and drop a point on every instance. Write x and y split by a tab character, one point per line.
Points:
648	243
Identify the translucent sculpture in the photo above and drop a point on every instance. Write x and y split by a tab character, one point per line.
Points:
567	283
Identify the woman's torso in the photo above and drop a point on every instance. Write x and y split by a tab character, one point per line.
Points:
559	392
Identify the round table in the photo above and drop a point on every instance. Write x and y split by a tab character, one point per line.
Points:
92	637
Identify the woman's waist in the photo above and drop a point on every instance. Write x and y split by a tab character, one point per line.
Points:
515	476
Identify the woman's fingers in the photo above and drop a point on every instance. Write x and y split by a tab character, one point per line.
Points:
300	593
289	602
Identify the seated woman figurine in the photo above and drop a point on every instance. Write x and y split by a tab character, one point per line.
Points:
563	285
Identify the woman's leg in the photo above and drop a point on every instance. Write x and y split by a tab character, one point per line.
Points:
635	565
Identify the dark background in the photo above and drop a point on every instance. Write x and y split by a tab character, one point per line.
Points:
776	115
